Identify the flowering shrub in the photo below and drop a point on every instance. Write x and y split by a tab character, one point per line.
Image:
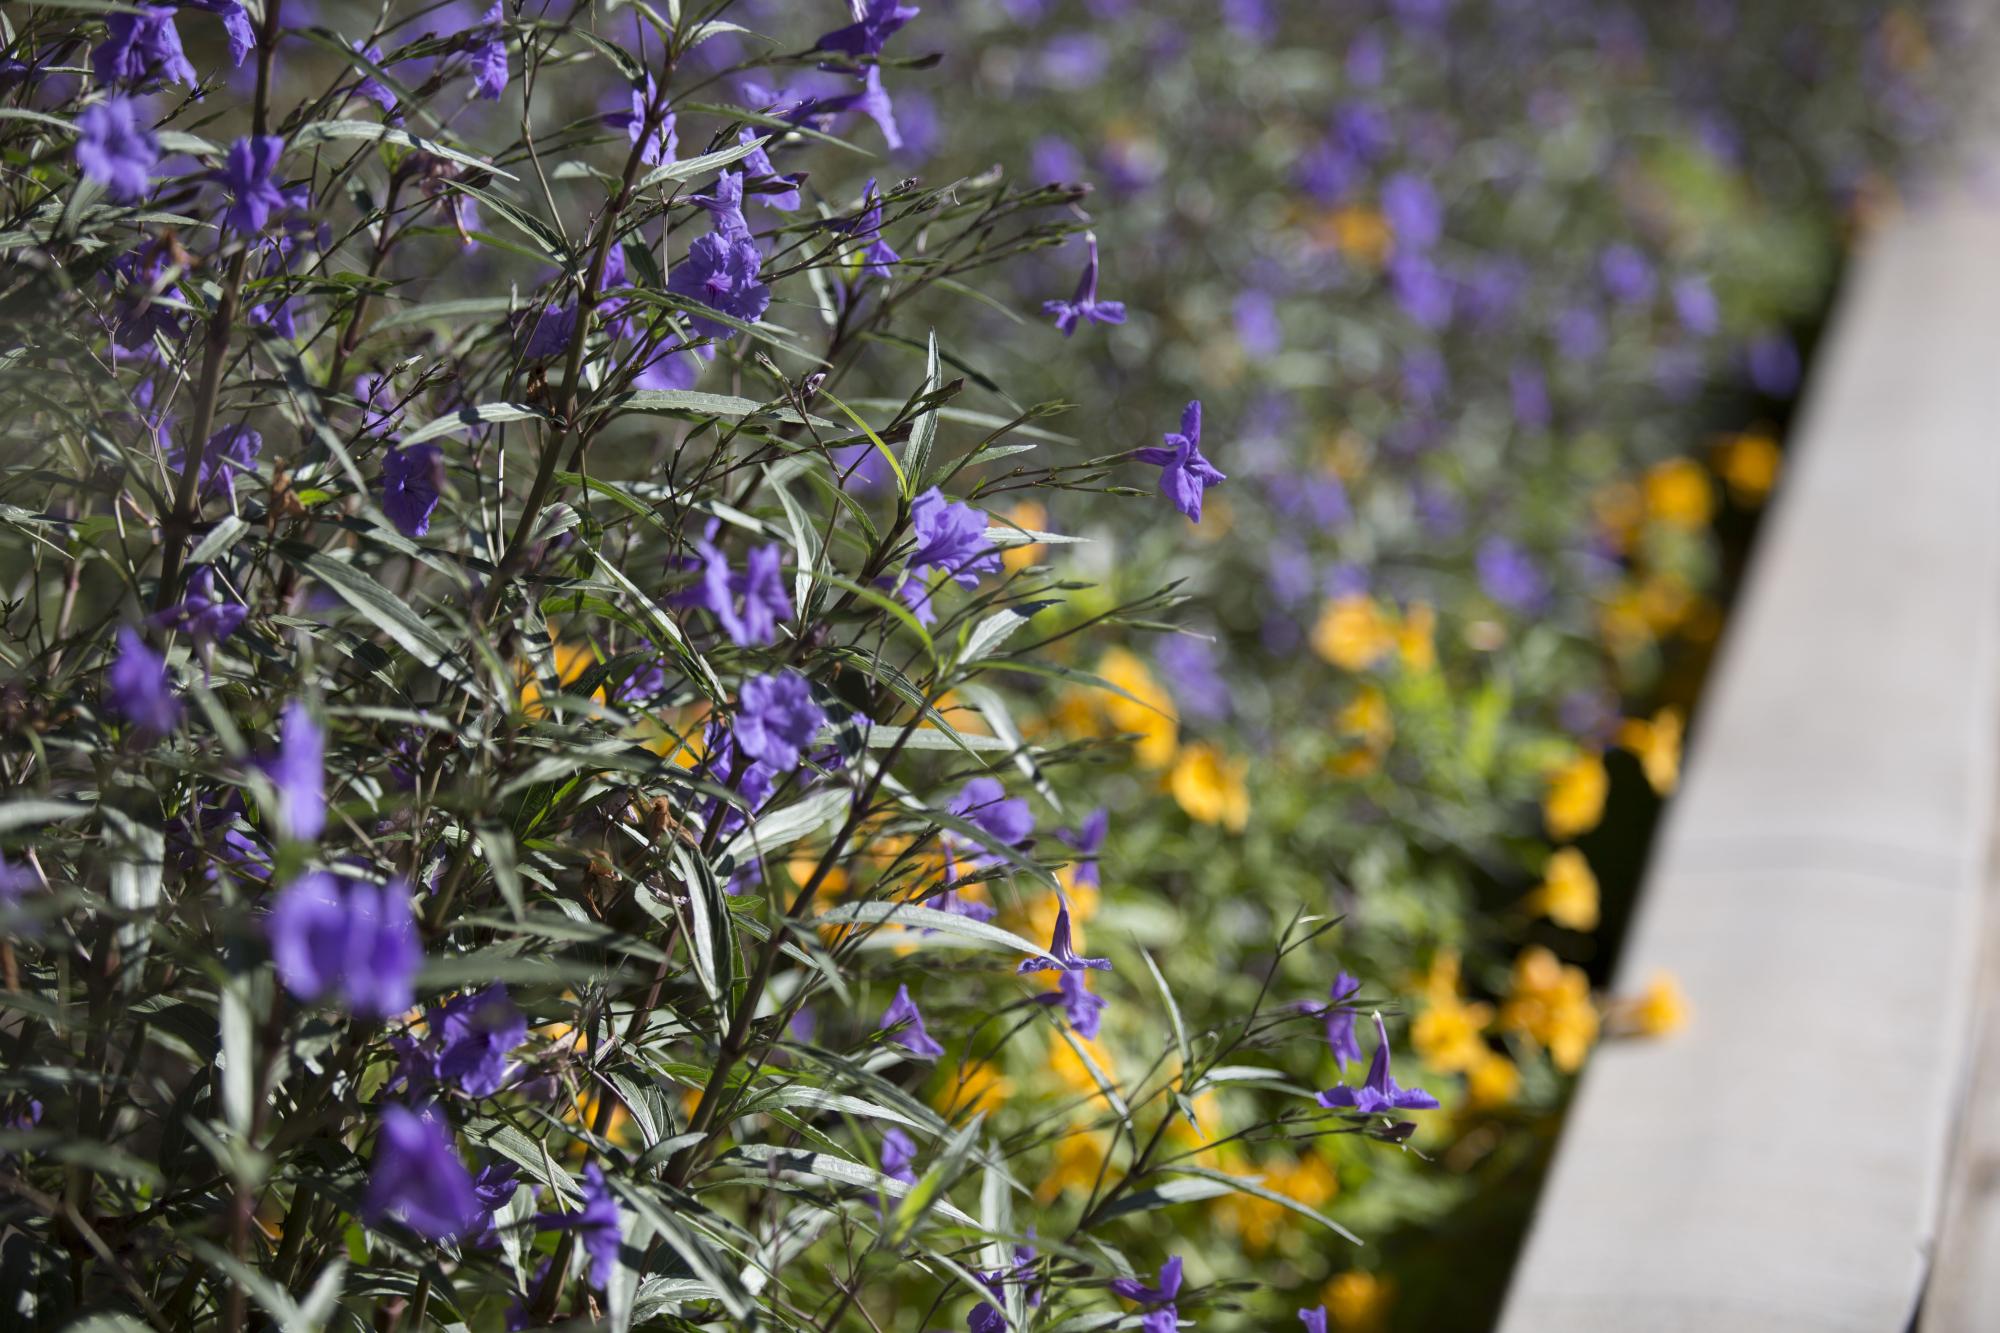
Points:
517	803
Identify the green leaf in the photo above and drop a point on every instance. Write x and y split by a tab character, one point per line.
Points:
698	406
387	611
781	828
466	418
930	919
902	477
326	131
688	169
1247	1185
923	430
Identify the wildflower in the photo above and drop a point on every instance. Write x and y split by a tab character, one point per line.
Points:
1084	1010
1695	306
776	717
1340	1037
1492	1081
141	48
1772	359
248	174
1627	275
1749	466
140	687
951	538
1380	1093
1184	473
1568	892
1446	1036
492	1189
765	599
1314	1319
1085	305
1158	1300
1657	746
298	770
1411	207
899	1155
876	258
231	450
1574	802
412	477
1209	788
873	102
1140	708
721	274
372	88
599	1223
356	940
489	58
418	1178
905	1026
987	1318
757	168
1550	1005
1678	494
1510	576
115	149
1352	633
981	802
1062	954
235	26
666	137
209	617
1359	1302
875	21
468	1044
1086	839
1662	1008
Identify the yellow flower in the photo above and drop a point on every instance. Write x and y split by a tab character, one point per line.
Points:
1749	465
1070	1070
1445	1036
1666	600
1034	518
1209	788
1358	1302
1575	798
1657	745
1416	638
571	661
1679	495
1622	621
1551	1006
1492	1082
1618	508
1568	894
1662	1008
980	1090
1365	724
1308	1180
1352	632
1151	718
1361	234
1079	1158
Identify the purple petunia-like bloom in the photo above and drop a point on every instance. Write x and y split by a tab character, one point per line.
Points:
1062	954
1087	838
721	272
1084	1010
418	1177
493	1188
412	478
1412	210
1184	473
873	102
874	23
1340	1037
1157	1300
987	1318
899	1153
1627	274
757	168
1085	305
951	538
298	771
1695	306
598	1222
877	259
1381	1092
468	1045
489	58
231	450
249	175
725	205
202	612
140	688
115	149
235	26
983	802
1314	1319
666	137
749	605
140	49
351	939
905	1026
776	718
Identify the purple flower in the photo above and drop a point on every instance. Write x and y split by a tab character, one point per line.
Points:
874	23
471	1038
1627	275
346	938
776	718
372	88
115	149
412	476
1421	288
1157	1300
1380	1092
489	58
1084	1010
16	882
658	149
231	450
1087	838
725	206
1314	1319
981	802
298	770
1579	334
873	102
721	273
418	1177
1695	306
493	1188
235	26
1184	473
1413	212
905	1026
951	538
1773	362
1340	1037
877	258
757	168
550	331
1085	305
899	1153
1062	954
1510	575
760	589
141	49
1530	393
1258	328
140	687
599	1223
247	174
987	1318
201	612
